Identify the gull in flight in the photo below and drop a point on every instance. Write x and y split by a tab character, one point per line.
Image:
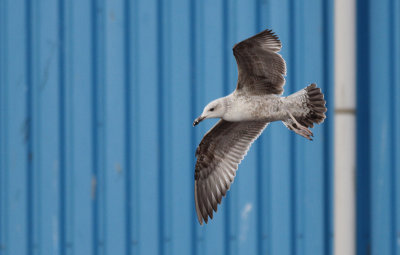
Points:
245	113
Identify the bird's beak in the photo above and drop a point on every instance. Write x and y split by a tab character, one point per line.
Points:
198	120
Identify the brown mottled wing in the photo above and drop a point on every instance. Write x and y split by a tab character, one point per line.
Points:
261	68
218	157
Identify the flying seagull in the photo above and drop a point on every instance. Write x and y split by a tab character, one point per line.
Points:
245	113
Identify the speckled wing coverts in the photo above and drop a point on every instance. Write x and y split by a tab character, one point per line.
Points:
260	67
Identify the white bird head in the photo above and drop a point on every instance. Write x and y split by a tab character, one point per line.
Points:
215	109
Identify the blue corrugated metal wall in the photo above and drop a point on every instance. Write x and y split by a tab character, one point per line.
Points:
378	177
96	145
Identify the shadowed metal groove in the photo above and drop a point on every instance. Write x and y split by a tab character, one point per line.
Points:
167	45
69	141
227	12
225	59
363	178
234	233
262	168
3	129
29	105
100	127
396	114
193	78
35	131
136	128
62	127
328	127
128	133
95	142
299	36
200	94
160	131
392	128
293	162
259	154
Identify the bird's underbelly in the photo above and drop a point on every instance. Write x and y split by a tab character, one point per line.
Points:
261	110
238	116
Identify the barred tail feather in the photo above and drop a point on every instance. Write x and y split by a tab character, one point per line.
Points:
309	108
316	106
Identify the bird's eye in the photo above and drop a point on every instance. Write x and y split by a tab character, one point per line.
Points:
212	109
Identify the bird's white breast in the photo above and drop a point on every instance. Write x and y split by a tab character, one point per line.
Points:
247	108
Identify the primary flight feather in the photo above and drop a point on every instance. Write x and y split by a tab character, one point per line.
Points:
245	113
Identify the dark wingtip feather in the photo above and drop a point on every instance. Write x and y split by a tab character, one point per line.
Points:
196	201
260	38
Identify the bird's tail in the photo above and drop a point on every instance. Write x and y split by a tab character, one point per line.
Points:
308	108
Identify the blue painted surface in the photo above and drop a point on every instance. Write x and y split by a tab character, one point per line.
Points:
96	144
378	171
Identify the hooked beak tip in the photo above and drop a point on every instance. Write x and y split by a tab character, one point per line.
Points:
197	121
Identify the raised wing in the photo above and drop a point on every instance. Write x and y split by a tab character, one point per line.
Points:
261	68
218	157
